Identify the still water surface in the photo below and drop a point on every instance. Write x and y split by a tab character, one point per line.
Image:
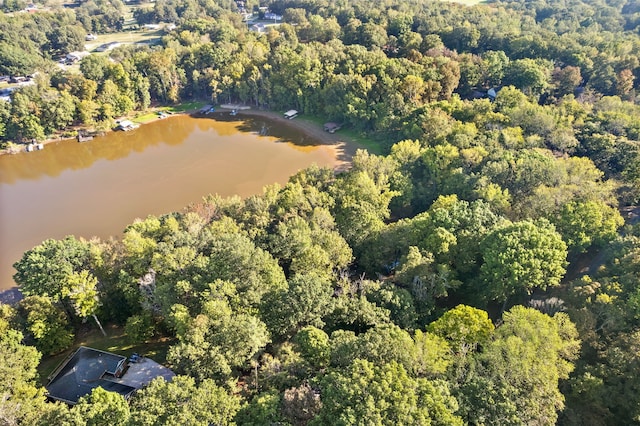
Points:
98	187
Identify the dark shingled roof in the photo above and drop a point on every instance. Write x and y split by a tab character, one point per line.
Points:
87	369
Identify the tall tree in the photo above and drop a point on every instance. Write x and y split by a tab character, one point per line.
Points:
379	395
182	402
515	378
521	257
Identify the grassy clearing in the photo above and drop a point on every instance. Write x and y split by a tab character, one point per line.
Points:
126	37
185	106
371	145
145	117
115	342
152	114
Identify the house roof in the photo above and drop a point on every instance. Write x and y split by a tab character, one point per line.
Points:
83	372
90	368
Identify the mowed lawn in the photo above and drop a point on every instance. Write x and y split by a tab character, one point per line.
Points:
126	37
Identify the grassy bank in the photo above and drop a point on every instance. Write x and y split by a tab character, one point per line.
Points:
373	146
152	114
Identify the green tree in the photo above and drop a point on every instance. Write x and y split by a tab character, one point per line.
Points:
587	223
182	402
313	345
303	303
528	75
361	206
57	112
521	257
263	408
367	394
515	378
20	397
215	341
44	269
102	408
81	289
464	327
24	124
46	324
381	344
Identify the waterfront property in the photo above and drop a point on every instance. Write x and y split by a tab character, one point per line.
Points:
97	188
126	125
88	368
291	114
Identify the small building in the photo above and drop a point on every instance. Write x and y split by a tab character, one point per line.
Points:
272	16
331	127
88	368
126	125
73	57
291	114
90	37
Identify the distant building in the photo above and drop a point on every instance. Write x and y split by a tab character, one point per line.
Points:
88	368
272	16
90	37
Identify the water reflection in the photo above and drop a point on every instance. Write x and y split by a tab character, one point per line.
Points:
100	186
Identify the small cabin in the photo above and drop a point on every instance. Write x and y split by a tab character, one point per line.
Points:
291	114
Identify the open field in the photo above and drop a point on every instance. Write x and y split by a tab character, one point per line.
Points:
126	37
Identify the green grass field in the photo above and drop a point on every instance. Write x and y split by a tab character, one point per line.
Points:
126	37
152	114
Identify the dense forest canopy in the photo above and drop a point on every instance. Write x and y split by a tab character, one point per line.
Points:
428	285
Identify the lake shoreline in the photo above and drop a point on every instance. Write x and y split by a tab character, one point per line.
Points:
345	147
335	146
305	126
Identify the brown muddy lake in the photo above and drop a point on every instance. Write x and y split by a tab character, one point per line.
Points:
97	188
